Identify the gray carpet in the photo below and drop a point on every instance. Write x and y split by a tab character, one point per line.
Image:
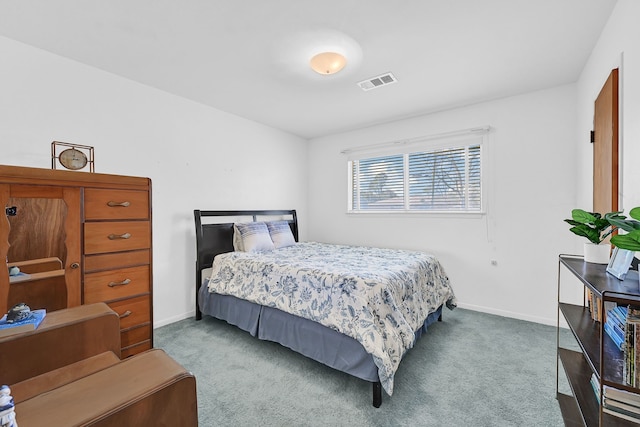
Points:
472	369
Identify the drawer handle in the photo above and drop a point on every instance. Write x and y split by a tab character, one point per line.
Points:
113	204
124	282
125	314
120	236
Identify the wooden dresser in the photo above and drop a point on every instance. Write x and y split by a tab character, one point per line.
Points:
79	238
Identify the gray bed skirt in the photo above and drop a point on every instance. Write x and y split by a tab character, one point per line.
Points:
303	336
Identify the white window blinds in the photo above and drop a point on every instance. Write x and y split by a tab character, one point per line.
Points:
380	183
441	176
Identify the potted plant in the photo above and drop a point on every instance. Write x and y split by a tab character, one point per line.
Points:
631	240
596	229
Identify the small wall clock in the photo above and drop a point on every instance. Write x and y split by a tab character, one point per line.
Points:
71	156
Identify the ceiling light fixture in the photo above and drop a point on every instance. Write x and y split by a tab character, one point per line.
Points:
327	63
294	55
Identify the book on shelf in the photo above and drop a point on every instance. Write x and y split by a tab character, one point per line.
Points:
26	325
621	403
614	327
621	413
595	384
620	314
622	396
614	404
618	330
616	337
593	303
631	366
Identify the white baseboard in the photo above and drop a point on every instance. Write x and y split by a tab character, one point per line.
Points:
173	319
511	314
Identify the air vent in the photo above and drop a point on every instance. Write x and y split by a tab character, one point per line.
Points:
378	81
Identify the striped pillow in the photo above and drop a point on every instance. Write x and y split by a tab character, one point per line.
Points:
252	237
281	234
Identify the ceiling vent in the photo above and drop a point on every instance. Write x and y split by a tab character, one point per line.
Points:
378	81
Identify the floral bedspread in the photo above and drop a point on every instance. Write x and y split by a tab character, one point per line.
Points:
379	297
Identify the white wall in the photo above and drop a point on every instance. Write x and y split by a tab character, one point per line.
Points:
618	47
196	156
523	232
539	169
530	177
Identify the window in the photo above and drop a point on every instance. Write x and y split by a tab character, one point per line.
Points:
379	183
441	176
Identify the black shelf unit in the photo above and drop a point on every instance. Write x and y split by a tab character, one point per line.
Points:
598	353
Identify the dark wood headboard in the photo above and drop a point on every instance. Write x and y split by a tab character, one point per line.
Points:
217	237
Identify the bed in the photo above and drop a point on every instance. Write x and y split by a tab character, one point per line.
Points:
315	298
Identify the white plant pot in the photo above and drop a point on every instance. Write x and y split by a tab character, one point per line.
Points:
597	254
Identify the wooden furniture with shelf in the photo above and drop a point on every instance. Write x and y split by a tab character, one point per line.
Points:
98	227
75	376
598	353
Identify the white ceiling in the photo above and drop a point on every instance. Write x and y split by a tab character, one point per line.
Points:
250	57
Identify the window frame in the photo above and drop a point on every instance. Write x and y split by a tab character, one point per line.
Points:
453	140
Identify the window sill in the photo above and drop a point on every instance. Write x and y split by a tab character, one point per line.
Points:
432	214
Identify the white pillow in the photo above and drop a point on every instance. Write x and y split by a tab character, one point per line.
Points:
254	237
281	234
237	239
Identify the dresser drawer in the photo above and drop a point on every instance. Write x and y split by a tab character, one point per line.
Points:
135	336
115	204
116	284
110	261
102	237
132	311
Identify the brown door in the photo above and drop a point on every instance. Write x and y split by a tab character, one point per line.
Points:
605	147
43	232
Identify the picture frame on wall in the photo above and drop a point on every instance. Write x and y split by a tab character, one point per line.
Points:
620	262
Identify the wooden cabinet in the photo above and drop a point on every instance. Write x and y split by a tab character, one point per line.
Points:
79	238
595	353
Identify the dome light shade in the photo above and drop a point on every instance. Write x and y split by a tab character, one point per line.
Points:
328	63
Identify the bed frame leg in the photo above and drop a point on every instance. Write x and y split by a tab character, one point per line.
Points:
198	312
198	282
377	394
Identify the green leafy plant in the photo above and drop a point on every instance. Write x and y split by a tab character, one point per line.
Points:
593	225
631	240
